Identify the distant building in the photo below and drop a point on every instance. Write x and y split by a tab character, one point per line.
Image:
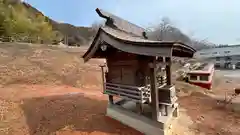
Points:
222	56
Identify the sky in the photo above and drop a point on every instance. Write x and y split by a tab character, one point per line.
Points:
217	21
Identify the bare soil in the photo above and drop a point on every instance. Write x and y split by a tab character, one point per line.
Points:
50	91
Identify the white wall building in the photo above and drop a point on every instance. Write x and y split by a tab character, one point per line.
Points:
223	57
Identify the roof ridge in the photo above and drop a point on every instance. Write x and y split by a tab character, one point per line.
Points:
121	24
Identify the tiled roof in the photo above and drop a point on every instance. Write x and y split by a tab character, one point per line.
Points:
128	37
133	39
120	23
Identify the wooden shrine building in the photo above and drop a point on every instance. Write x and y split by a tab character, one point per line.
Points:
138	72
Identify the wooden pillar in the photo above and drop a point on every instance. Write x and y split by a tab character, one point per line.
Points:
110	97
139	108
169	70
103	76
166	110
154	96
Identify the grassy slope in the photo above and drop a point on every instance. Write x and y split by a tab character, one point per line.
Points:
24	23
24	64
76	35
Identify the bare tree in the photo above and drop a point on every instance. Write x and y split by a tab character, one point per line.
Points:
166	31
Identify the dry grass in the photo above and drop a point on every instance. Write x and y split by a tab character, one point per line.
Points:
45	65
50	91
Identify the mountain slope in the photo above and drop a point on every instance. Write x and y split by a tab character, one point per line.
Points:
20	25
20	22
75	35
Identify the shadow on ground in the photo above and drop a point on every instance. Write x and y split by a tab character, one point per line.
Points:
74	113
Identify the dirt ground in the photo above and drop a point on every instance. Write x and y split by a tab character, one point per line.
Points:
50	91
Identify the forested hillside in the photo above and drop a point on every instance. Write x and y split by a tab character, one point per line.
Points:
21	22
18	24
73	35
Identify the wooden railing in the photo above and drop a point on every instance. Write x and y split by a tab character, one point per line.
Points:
134	93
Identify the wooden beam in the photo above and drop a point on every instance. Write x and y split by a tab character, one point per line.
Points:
123	86
139	108
138	97
122	96
103	76
110	98
169	70
123	90
154	97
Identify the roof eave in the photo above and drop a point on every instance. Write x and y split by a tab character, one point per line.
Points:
173	45
89	53
180	44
